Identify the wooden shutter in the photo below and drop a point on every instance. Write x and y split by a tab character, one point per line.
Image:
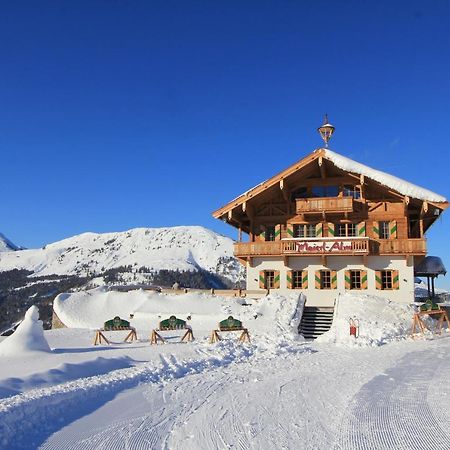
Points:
361	229
393	229
276	279
319	230
333	279
289	279
376	230
304	279
331	229
348	280
378	281
363	279
395	280
290	230
262	279
262	235
317	279
277	232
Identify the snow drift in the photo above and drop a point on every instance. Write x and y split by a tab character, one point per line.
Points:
274	315
29	337
380	320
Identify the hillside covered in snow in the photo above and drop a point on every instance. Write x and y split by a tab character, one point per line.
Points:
181	248
6	245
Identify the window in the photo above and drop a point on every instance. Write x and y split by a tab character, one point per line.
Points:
304	230
355	279
386	279
269	279
345	229
351	191
297	280
384	230
270	233
325	191
325	279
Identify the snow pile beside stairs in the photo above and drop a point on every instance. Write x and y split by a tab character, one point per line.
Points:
29	337
380	321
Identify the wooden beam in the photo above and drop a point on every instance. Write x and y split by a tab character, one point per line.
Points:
323	172
285	191
424	209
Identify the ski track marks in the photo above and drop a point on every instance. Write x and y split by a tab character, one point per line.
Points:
42	412
241	407
402	408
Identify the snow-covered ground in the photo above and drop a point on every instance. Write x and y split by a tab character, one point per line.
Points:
276	392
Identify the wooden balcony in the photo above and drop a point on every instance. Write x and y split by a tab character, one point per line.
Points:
331	246
328	204
311	247
402	247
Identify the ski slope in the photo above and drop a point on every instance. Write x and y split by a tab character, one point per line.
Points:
277	392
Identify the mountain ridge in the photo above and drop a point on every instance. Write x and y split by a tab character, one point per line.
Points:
182	248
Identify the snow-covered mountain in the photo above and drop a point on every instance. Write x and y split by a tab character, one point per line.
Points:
6	245
184	248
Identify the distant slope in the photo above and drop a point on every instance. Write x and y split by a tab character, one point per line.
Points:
184	248
6	245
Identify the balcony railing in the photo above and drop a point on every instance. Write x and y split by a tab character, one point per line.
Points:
331	246
402	246
328	204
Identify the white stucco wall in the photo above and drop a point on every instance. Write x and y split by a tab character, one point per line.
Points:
326	297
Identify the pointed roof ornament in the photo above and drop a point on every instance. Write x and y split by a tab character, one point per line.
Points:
326	130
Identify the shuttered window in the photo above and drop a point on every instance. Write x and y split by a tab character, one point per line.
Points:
297	279
304	230
387	279
383	230
345	229
325	279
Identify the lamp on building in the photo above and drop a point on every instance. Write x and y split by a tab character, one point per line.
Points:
326	130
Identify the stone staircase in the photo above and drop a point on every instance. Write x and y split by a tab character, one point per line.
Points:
315	321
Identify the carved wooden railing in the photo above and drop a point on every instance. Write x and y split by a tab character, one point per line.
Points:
328	204
331	246
402	246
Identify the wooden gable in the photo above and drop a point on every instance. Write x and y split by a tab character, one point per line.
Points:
272	202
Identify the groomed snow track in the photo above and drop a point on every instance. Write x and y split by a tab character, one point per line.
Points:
402	408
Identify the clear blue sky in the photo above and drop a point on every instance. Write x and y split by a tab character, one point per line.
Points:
120	114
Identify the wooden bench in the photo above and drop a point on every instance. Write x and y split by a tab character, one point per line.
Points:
429	309
171	324
116	324
230	325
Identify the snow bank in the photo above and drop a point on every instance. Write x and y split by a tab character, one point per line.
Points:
274	315
380	321
29	337
395	183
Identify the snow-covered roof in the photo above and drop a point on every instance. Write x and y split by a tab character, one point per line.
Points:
395	183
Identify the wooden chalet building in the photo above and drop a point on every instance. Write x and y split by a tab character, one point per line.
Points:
328	224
